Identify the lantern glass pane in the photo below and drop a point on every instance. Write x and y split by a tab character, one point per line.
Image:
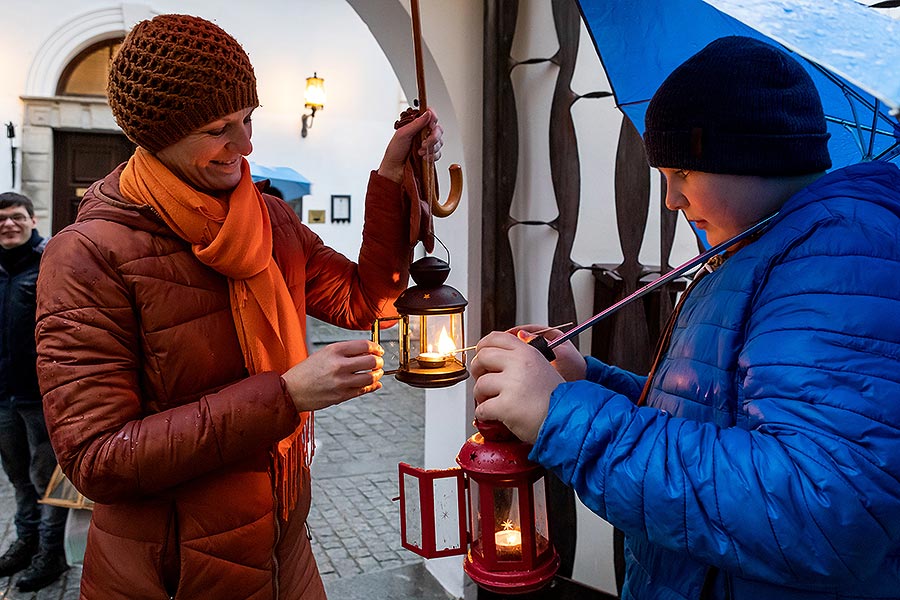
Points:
404	341
415	336
433	340
457	330
507	524
413	513
446	513
440	334
475	515
541	528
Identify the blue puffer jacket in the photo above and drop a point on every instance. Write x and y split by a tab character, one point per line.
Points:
768	458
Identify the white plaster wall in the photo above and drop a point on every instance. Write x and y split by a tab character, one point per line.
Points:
455	39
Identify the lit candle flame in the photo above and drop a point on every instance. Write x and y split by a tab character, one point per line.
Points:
446	345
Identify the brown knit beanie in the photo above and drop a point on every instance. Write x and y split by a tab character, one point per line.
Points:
175	73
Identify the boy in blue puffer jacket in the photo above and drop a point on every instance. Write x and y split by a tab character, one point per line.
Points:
761	457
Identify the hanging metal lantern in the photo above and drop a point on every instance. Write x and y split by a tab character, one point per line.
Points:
506	538
432	352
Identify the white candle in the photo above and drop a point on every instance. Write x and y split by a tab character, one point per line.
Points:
508	543
431	359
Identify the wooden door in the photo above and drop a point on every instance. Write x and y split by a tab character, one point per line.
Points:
79	159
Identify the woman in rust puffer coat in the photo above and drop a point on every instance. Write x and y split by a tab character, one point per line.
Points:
171	319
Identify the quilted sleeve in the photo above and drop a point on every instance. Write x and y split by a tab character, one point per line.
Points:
88	341
617	380
807	491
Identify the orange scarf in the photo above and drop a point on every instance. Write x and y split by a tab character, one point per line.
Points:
234	237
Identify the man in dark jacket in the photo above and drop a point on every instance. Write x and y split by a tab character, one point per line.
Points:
27	456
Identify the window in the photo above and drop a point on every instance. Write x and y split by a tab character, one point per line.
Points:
86	74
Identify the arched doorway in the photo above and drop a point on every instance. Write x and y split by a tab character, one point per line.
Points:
82	157
71	138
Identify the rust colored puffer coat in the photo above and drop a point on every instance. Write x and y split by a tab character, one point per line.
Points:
152	413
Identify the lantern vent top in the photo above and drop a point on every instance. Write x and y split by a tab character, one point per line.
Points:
429	271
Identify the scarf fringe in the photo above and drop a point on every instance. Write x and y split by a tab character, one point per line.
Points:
293	460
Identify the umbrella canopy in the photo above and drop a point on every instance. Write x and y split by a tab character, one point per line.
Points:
289	182
851	51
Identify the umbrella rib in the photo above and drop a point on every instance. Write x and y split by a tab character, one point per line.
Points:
633	102
889	153
874	123
852	95
858	125
852	125
848	91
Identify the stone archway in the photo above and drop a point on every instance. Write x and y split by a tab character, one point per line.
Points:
46	112
389	23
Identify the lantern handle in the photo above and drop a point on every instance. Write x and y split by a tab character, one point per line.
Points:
446	249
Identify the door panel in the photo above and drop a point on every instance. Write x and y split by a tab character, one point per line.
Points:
79	159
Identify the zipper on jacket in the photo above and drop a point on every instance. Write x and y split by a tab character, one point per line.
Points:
276	586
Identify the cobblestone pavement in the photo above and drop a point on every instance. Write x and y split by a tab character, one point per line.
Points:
353	518
66	588
354	521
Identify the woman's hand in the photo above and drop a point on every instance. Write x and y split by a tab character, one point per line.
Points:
400	145
569	362
513	383
335	373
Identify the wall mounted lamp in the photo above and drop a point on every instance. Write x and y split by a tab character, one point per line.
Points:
11	134
314	99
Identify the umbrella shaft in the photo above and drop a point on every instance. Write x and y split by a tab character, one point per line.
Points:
660	281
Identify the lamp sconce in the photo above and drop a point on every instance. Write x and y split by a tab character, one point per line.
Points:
11	134
314	99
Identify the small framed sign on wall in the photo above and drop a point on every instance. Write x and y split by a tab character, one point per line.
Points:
340	209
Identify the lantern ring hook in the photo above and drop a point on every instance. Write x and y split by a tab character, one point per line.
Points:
446	249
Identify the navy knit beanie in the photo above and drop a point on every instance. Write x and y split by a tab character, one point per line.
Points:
739	107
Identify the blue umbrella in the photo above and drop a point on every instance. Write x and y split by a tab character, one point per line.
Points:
289	182
851	51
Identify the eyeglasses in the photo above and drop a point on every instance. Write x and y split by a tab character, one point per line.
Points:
17	218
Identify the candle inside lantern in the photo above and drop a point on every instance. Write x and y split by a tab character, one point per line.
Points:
446	348
509	544
431	360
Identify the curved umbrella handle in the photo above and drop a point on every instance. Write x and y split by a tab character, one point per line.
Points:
446	208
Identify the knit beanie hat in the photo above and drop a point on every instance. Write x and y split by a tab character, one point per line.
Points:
175	73
739	107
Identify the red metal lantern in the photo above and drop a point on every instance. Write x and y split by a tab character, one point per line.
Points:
508	549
